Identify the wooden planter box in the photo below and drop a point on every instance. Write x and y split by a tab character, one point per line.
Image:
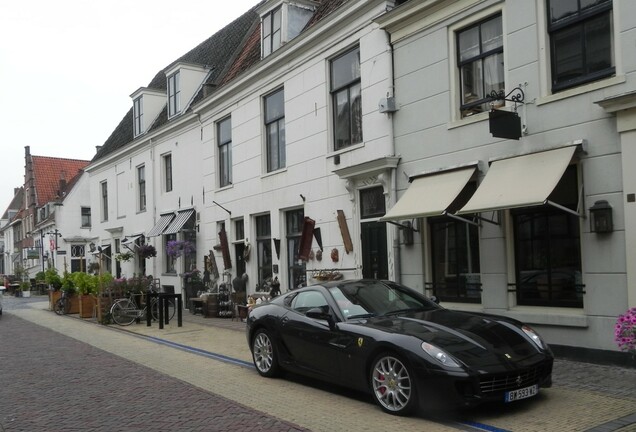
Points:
74	304
86	305
53	297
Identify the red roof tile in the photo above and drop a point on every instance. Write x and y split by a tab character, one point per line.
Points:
49	171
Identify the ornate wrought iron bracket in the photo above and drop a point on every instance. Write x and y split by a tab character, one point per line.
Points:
515	95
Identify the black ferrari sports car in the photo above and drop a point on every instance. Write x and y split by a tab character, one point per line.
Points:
403	348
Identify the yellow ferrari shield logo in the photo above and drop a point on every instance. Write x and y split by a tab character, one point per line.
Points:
360	342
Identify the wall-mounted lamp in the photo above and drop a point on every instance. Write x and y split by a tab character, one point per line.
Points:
91	246
601	217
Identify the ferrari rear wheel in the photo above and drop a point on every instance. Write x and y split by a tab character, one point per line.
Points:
392	384
264	354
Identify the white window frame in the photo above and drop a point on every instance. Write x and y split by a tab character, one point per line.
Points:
545	59
168	180
138	116
174	94
103	186
224	161
141	188
267	40
279	120
455	79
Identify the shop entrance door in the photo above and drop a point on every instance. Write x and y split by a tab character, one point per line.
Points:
374	251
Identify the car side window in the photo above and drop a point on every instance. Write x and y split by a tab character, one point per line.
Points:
307	300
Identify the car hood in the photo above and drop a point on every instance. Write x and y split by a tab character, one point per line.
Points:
474	339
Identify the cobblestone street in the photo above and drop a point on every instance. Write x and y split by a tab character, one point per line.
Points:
51	382
65	373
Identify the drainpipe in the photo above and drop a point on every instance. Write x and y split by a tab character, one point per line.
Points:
154	196
397	257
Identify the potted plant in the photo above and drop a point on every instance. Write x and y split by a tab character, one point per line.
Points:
86	286
625	331
25	289
147	251
54	281
68	286
124	256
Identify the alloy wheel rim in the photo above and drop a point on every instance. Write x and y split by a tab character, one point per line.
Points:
263	353
391	384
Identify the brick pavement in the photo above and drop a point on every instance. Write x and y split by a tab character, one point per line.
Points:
52	382
579	401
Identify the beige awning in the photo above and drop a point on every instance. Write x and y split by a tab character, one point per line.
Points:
520	181
430	195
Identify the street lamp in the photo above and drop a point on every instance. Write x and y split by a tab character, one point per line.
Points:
57	234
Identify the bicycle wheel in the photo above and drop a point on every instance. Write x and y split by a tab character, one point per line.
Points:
124	312
62	306
154	309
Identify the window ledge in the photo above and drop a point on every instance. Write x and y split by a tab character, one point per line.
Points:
345	150
222	188
272	173
561	317
468	120
586	88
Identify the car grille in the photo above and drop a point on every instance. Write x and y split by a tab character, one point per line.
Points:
511	381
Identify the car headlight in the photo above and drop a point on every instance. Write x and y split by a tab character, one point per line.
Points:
534	336
439	355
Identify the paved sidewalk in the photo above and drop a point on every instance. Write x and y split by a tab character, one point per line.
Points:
584	396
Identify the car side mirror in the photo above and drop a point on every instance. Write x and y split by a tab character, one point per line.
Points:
319	313
434	299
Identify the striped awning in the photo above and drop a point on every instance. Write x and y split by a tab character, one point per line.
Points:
179	221
161	225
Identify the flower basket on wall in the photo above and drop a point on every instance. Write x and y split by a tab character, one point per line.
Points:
177	248
147	251
124	256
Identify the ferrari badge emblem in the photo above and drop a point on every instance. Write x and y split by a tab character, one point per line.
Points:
360	342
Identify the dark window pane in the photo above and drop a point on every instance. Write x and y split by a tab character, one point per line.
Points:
559	9
345	69
469	44
342	119
372	203
598	44
568	54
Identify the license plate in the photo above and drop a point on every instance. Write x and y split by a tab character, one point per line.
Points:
523	393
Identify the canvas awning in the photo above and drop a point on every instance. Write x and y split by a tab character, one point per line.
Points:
161	224
179	221
130	239
520	181
430	195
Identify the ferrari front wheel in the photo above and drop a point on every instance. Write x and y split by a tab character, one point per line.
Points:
264	354
392	384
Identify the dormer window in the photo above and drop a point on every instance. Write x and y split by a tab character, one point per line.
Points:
174	90
147	105
272	31
281	21
138	113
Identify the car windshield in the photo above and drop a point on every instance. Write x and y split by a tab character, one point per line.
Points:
366	299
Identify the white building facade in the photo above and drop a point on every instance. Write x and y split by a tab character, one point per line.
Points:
511	230
295	144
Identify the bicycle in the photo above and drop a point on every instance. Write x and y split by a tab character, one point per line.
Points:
63	304
125	311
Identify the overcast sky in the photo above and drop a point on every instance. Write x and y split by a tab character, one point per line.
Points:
68	67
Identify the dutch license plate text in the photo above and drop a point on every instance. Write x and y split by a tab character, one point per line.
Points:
523	393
